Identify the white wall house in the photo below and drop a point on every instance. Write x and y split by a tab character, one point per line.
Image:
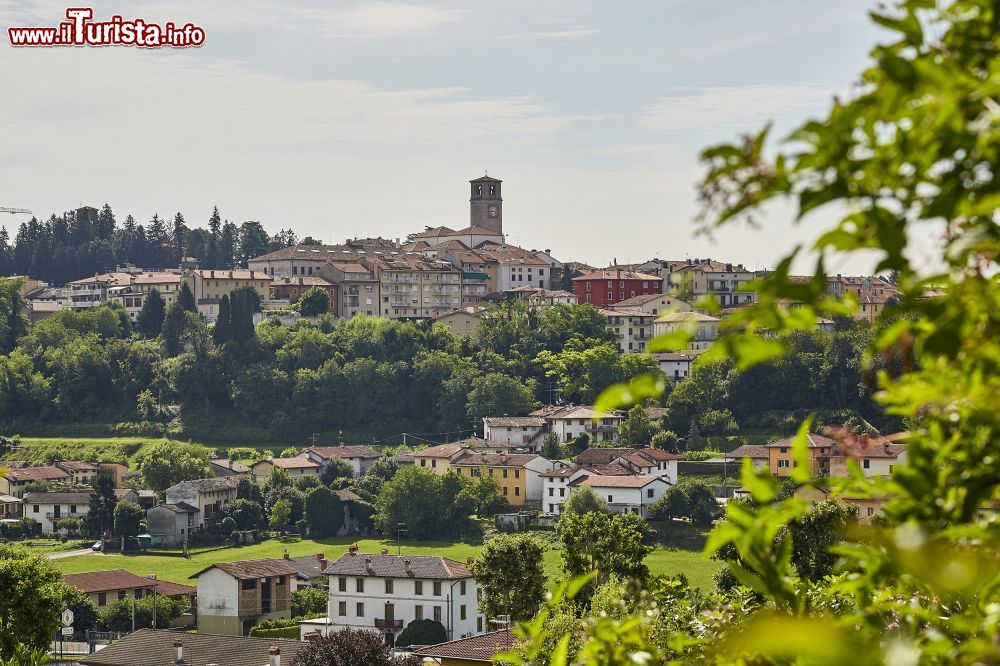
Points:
626	494
234	596
633	327
704	329
557	484
46	508
571	421
677	365
878	459
384	593
359	457
515	431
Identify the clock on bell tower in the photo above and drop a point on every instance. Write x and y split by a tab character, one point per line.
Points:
485	204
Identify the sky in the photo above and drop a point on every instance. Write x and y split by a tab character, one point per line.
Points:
345	119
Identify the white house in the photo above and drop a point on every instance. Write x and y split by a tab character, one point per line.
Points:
647	461
556	485
757	453
704	329
877	457
48	507
296	467
677	365
625	494
633	326
515	431
360	457
208	496
234	596
386	592
571	421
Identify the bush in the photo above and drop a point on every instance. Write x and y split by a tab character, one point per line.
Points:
422	632
309	602
281	632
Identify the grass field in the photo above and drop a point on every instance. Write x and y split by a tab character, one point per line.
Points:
698	569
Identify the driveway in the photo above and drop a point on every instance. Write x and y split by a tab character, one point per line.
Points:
71	553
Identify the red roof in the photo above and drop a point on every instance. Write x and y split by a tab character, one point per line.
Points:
599	481
107	581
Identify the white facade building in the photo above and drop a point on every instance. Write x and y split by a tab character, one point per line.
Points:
515	431
626	494
46	508
677	365
384	593
633	327
571	421
704	329
359	457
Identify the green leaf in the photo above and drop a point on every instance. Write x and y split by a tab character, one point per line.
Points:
802	472
621	395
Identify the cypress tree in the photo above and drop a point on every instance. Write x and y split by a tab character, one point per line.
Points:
150	319
186	299
173	328
223	330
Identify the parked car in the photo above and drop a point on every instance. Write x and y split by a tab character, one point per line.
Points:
98	545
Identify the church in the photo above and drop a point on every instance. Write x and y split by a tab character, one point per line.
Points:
485	220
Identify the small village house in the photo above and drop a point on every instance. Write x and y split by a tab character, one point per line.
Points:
234	596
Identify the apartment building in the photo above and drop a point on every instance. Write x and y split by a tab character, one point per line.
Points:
15	480
871	293
515	431
414	287
132	294
301	260
384	593
633	327
607	286
438	458
655	304
90	292
47	508
724	283
571	421
704	329
356	285
209	286
291	289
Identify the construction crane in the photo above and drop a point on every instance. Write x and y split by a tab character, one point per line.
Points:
4	209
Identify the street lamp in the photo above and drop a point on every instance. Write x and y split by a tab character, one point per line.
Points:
400	529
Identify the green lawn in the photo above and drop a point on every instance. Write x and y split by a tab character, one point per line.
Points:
661	561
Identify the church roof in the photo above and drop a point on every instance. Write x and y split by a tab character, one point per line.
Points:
485	179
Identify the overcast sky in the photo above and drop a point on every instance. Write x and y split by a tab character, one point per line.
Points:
346	119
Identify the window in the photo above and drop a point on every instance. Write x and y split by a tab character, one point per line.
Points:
102	599
517	491
250	584
388	586
505	491
342	609
479	624
649	493
552	508
871	511
342	585
360	609
866	463
437	613
34	508
418	587
423	462
517	474
461	587
461	612
551	491
782	463
434	463
418	613
783	449
72	508
437	588
280	580
360	585
122	594
505	472
562	492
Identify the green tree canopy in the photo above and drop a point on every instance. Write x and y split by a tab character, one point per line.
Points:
314	302
511	575
150	320
324	512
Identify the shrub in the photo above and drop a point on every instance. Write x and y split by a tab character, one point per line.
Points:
422	632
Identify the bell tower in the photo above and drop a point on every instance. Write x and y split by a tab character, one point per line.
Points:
485	204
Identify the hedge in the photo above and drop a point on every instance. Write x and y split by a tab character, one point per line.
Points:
281	632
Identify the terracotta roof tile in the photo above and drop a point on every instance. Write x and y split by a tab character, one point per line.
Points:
155	647
394	566
107	581
251	568
475	648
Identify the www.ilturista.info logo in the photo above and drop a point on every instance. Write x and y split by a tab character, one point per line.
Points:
79	30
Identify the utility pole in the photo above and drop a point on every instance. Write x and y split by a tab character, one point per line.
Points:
314	438
404	439
400	528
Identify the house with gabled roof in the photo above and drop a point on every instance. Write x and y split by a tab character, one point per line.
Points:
519	474
208	496
384	592
469	651
360	457
781	459
625	494
160	647
15	480
47	508
103	587
234	596
296	467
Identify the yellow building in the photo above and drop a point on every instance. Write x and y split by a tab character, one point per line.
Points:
519	474
781	460
209	286
438	458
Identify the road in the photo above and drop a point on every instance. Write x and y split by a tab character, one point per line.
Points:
71	553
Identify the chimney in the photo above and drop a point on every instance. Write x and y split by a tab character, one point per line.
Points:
178	652
353	550
230	275
385	551
151	576
320	557
406	567
275	655
469	561
368	565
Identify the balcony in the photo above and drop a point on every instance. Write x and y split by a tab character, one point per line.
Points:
388	624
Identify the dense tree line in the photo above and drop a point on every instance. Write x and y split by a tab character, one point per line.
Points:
79	243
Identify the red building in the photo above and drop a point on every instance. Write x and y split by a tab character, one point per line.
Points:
606	286
292	288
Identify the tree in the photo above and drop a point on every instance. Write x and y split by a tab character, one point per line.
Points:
172	330
636	430
702	507
281	514
295	498
495	393
151	316
128	516
246	514
185	298
694	441
314	302
485	495
117	615
33	595
101	513
606	544
336	473
13	322
426	502
667	440
510	573
550	446
674	503
243	303
422	632
162	465
583	500
350	647
309	601
222	332
84	612
324	512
